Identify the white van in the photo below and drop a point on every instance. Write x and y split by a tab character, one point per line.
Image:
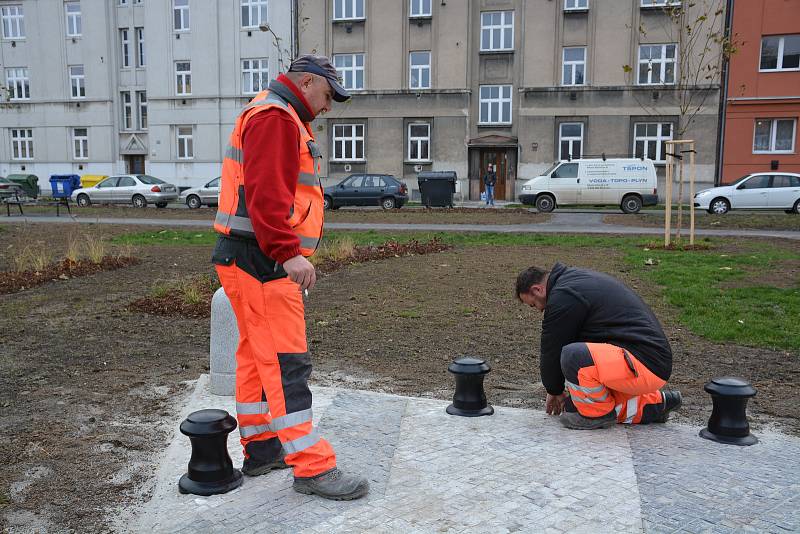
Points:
628	183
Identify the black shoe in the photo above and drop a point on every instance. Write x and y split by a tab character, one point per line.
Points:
672	401
254	468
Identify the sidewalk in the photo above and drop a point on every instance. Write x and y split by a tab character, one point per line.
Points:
515	471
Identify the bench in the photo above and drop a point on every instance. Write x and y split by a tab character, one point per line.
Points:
19	202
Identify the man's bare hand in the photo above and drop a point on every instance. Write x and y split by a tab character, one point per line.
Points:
554	404
301	272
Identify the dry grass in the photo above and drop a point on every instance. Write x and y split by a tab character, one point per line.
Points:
96	248
337	249
32	257
73	252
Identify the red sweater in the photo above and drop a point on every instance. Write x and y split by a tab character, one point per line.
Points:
270	143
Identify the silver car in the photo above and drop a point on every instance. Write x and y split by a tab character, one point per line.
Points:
135	189
208	195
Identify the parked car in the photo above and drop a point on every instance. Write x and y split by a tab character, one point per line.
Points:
629	183
367	190
136	189
760	190
9	189
207	195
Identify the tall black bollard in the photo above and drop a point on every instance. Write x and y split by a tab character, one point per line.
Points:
469	399
210	467
728	421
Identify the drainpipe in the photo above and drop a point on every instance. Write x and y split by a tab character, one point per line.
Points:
295	31
723	101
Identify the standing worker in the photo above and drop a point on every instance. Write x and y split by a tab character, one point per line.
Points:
489	181
270	218
606	342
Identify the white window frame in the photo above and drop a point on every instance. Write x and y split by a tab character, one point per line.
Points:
74	20
659	3
419	69
185	142
419	141
494	105
342	7
779	64
659	139
506	25
13	20
573	66
21	144
342	140
80	144
18	84
183	79
571	140
141	60
255	71
141	104
254	10
773	134
349	73
576	5
77	82
660	63
126	105
125	48
180	16
417	9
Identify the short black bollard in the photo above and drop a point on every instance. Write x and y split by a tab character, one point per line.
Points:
728	421
469	399
210	467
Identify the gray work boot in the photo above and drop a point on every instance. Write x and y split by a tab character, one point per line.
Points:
254	468
333	485
576	421
672	401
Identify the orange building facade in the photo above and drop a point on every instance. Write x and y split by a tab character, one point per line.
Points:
762	101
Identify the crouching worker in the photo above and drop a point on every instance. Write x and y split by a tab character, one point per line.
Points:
599	336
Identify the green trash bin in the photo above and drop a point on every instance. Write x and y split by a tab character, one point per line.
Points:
28	182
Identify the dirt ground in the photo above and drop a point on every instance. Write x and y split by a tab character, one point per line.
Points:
775	220
89	390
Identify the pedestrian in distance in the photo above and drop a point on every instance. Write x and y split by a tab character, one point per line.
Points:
270	218
489	181
600	338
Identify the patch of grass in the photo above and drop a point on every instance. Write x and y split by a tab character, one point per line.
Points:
32	257
96	248
73	252
409	314
336	248
168	237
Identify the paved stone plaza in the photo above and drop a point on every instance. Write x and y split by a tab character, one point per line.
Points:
516	471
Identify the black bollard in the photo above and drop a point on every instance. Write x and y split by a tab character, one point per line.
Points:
469	399
728	421
210	468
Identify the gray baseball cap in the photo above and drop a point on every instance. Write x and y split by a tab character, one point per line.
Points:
321	66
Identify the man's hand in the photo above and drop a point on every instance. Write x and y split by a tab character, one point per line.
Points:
554	404
301	272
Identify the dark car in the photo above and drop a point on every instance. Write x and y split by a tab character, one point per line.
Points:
367	190
9	189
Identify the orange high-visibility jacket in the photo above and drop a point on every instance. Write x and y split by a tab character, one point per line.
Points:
306	214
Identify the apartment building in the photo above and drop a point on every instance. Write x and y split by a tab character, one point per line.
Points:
458	85
140	86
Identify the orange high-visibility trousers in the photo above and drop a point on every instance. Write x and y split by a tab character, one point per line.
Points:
273	402
601	377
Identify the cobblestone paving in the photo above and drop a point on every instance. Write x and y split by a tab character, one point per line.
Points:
516	471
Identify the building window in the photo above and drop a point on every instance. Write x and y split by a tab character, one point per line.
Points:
18	84
351	70
254	12
649	140
495	102
497	30
255	75
180	11
420	8
576	5
574	67
73	19
348	142
420	70
657	64
419	142
80	143
140	60
127	110
125	48
122	2
13	22
348	9
77	81
21	144
774	136
570	140
141	101
183	78
660	3
780	52
185	142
